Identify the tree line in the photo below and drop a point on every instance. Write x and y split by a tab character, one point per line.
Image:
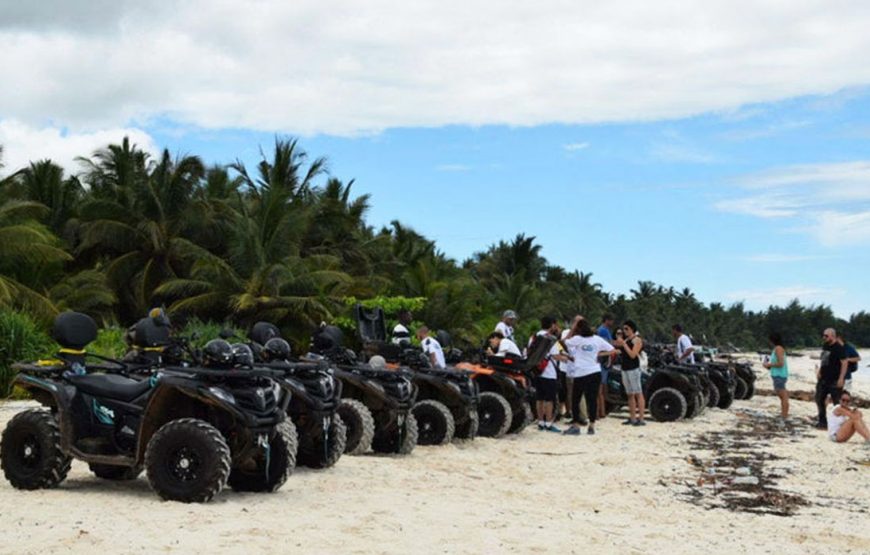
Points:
287	242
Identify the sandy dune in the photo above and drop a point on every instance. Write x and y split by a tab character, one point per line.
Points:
625	490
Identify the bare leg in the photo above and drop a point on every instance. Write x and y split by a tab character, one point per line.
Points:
539	406
632	402
783	401
547	412
601	398
846	431
641	406
569	394
861	426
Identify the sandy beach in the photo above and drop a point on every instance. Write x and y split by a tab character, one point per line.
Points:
663	488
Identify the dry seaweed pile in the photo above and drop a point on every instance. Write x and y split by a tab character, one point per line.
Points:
736	471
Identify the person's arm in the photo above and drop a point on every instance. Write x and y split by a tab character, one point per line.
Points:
844	368
780	359
634	352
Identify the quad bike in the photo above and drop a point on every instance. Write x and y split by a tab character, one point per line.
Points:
671	394
193	430
506	390
314	394
375	405
446	406
745	388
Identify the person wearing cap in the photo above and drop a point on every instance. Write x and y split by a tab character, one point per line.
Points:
506	325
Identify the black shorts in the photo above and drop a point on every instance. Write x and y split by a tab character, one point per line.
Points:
546	389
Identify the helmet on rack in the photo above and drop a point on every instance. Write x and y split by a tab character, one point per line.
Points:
242	355
217	352
276	349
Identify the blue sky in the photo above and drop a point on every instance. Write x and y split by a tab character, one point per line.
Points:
721	146
673	201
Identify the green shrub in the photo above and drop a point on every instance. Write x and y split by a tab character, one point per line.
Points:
109	343
21	339
201	332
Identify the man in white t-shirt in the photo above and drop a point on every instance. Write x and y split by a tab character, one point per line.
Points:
547	382
432	348
506	325
501	346
685	350
402	331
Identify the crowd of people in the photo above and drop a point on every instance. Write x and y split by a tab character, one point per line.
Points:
572	385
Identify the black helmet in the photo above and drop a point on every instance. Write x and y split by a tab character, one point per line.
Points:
327	338
242	355
276	349
217	352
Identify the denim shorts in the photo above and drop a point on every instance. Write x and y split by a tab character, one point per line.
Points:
778	383
631	381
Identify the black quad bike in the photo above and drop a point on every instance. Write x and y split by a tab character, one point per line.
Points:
671	394
746	377
375	404
193	430
446	406
315	395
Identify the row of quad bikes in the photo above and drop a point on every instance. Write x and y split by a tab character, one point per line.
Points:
245	414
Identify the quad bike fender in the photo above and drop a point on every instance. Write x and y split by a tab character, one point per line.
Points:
501	384
295	391
55	395
365	388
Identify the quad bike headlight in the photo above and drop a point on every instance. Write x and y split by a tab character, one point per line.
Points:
222	395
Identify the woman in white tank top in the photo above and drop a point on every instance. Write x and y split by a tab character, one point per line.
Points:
844	422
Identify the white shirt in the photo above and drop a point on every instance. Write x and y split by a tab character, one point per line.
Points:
550	371
585	352
508	347
431	345
683	345
401	335
835	422
505	330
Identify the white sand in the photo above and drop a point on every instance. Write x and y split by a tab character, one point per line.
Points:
616	492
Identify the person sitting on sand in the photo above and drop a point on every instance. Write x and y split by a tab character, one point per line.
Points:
432	348
844	421
500	346
778	366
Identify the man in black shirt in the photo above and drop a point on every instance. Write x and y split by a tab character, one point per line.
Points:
831	375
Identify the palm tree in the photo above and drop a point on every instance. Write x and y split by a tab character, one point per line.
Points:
43	182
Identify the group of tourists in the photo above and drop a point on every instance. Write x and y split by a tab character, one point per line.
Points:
839	359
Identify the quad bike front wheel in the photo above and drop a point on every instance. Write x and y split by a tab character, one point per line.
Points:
741	389
360	426
713	396
30	452
726	397
115	473
667	405
401	440
324	450
495	414
750	390
468	430
435	424
267	471
187	460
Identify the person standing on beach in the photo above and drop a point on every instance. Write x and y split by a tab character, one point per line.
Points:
852	357
685	350
432	348
584	349
844	421
631	347
604	333
831	376
569	381
778	366
547	382
506	326
402	331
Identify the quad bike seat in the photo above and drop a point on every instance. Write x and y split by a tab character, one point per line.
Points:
513	363
110	385
262	332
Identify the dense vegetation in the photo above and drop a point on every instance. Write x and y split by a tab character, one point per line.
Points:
287	242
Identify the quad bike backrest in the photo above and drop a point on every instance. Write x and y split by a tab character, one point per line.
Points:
371	323
74	330
444	339
262	332
151	332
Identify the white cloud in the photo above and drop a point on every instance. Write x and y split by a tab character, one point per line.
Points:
23	144
347	68
829	202
762	298
574	147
